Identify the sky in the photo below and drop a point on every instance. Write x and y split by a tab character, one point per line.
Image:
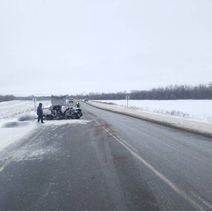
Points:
82	46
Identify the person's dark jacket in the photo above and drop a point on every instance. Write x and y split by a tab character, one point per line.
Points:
39	110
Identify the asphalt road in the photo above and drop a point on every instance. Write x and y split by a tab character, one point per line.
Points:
107	161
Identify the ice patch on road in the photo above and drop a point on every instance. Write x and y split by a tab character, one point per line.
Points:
32	152
33	149
13	130
69	121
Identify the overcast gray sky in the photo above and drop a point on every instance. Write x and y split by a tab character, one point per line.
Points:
81	46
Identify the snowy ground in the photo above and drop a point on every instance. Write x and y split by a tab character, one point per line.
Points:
198	110
17	119
193	115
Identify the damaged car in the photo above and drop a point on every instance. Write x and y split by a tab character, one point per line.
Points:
59	109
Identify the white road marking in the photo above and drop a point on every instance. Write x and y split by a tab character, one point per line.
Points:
160	175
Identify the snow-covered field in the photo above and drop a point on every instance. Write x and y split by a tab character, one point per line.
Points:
198	110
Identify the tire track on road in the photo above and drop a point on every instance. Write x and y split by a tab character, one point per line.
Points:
195	200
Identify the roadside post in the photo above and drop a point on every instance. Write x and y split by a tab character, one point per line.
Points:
127	98
34	100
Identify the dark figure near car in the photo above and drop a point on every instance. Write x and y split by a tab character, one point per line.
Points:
40	113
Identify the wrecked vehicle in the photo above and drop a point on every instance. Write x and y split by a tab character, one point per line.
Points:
59	109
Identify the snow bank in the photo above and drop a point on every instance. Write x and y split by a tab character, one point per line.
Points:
198	110
175	121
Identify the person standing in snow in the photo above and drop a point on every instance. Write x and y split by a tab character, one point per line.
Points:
40	113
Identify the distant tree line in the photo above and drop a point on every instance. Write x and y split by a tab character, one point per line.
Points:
175	92
102	96
38	98
168	93
6	98
11	97
171	92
